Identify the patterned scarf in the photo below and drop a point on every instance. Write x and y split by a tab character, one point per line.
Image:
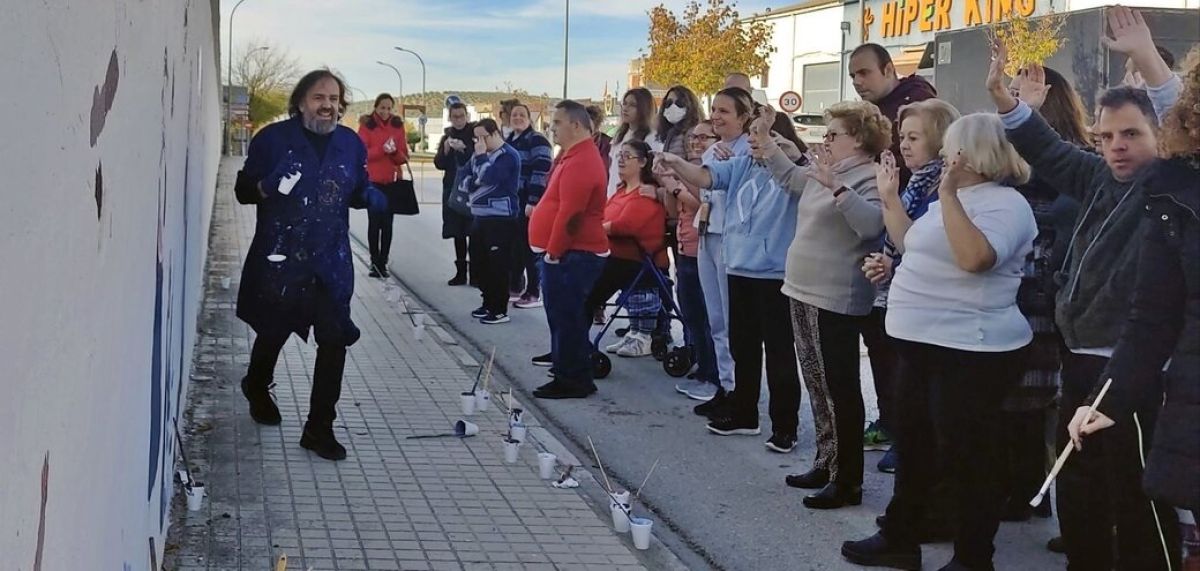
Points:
916	197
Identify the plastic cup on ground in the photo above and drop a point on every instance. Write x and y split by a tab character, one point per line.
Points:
465	428
225	282
517	432
622	497
640	528
511	447
620	520
483	400
468	404
546	463
195	497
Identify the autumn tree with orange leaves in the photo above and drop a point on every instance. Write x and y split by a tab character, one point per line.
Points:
700	48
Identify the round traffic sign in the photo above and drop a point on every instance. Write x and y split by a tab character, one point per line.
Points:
790	101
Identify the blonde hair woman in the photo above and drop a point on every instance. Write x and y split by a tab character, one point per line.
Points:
960	337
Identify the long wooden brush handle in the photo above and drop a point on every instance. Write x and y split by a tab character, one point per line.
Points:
1066	453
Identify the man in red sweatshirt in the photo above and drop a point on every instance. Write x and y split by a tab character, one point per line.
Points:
567	230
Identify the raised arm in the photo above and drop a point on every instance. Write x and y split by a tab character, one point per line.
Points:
895	218
1129	34
666	164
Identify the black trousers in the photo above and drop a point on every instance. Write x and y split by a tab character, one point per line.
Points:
524	277
881	351
495	237
760	322
379	237
951	399
618	274
1100	487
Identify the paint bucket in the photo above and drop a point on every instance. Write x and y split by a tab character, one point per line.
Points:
195	496
640	528
483	400
468	403
511	447
623	497
546	463
517	432
464	428
619	519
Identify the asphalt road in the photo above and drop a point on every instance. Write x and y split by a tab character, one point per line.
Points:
722	498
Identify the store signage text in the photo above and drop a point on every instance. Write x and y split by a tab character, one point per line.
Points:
900	16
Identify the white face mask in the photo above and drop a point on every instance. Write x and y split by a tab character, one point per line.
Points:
674	113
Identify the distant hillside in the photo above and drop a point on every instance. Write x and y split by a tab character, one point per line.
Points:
436	99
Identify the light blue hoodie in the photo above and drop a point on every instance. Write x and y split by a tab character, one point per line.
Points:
716	197
760	218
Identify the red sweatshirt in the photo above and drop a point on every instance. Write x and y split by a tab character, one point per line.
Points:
570	215
637	224
383	168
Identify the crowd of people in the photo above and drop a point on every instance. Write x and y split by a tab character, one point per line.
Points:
997	266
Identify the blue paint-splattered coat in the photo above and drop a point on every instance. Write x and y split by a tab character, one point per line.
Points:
310	226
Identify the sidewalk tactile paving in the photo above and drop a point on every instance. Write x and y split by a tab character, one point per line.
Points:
394	503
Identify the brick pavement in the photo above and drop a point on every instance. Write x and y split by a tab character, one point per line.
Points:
394	503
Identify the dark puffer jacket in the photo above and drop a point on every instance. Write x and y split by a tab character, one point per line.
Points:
1165	323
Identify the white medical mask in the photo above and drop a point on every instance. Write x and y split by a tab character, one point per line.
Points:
674	113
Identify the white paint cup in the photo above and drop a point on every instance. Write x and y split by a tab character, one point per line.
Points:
468	403
225	282
641	527
465	428
195	497
623	497
619	519
483	400
511	447
517	432
546	463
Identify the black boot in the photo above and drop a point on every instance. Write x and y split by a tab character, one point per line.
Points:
374	273
834	496
262	406
319	438
460	276
381	266
811	480
877	551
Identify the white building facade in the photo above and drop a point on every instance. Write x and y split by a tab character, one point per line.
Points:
807	58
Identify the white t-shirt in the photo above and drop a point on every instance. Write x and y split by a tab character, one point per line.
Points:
934	301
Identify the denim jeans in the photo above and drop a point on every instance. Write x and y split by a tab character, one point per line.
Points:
565	287
715	283
695	318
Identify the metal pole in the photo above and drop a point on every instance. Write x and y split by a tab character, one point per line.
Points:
229	86
424	91
399	77
566	45
842	60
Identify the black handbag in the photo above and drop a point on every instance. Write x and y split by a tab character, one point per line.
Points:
402	195
459	200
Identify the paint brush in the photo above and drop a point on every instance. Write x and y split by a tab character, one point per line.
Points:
1066	453
647	479
607	484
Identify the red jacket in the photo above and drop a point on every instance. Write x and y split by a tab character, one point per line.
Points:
570	215
383	168
637	224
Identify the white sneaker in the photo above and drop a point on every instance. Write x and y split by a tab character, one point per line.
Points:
638	345
613	348
528	302
684	387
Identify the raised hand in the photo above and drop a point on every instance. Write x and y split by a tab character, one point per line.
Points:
722	151
1032	88
822	169
887	179
1004	100
1129	32
480	146
956	174
664	163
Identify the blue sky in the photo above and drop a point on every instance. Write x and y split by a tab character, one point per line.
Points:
467	45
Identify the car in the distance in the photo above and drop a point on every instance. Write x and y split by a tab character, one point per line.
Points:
810	127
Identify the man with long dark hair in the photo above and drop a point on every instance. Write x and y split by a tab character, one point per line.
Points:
303	174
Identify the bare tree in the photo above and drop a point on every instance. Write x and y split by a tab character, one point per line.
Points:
268	76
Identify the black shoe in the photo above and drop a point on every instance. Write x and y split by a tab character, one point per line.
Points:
319	439
716	407
460	274
732	426
262	406
1056	545
383	271
877	551
887	464
542	360
479	312
814	479
494	318
556	390
834	496
374	273
781	443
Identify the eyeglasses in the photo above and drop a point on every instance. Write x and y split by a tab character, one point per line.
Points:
632	156
701	137
832	135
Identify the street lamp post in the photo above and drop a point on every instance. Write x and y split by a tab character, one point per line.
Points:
424	92
399	77
566	44
229	86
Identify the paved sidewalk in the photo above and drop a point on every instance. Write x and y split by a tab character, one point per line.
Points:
440	503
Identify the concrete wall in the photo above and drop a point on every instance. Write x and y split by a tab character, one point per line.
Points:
109	165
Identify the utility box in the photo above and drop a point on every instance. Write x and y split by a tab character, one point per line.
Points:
961	58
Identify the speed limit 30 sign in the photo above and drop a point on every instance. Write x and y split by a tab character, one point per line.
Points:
790	101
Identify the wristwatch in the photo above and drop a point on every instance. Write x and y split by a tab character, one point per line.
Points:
840	190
